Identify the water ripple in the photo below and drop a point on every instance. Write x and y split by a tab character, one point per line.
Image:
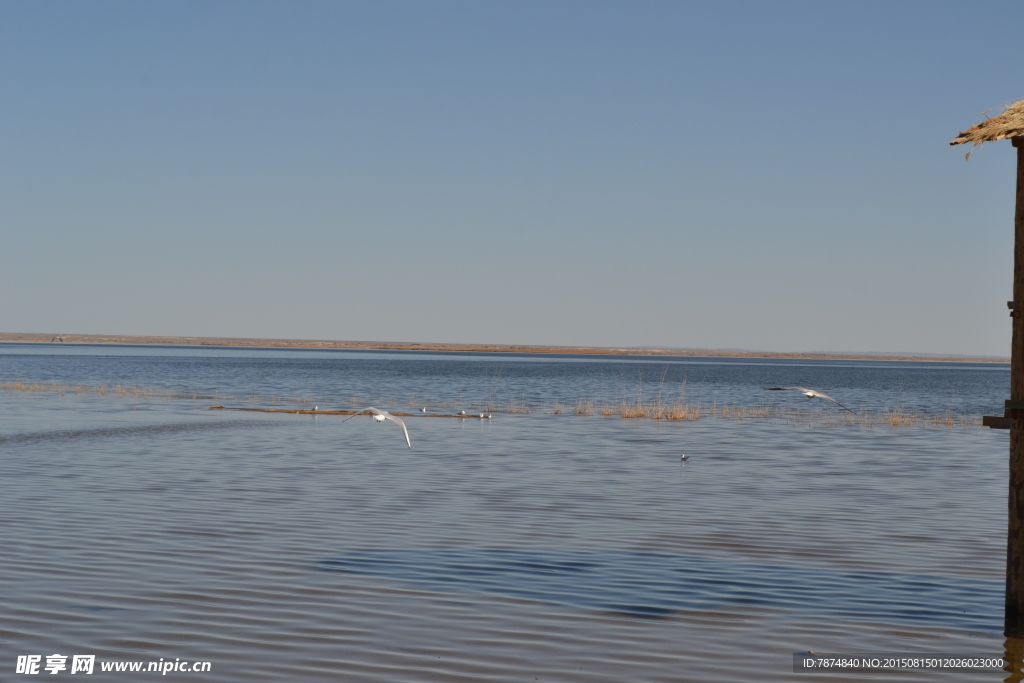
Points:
648	584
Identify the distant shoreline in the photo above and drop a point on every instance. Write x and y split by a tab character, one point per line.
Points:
473	348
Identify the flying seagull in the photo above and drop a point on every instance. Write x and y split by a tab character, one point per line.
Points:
380	416
809	393
55	339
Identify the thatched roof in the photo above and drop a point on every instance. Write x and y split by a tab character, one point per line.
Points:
1009	124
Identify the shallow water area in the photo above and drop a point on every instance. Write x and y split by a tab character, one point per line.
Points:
529	546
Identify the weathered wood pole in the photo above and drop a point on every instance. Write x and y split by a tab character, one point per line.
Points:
1014	617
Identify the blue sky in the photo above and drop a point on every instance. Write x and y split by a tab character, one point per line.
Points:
758	175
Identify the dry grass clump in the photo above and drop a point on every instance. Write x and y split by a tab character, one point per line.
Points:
517	407
654	410
820	417
49	387
896	417
899	417
631	411
682	411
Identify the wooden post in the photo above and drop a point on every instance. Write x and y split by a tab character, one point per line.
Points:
1014	617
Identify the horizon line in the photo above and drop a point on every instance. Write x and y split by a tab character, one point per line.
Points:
263	342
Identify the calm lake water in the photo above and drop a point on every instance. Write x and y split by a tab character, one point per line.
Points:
283	547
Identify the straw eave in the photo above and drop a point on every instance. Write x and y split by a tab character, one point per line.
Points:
1009	124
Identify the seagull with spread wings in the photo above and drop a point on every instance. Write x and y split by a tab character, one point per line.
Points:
380	416
809	393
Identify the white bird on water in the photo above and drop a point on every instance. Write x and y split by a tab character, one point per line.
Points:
809	393
380	416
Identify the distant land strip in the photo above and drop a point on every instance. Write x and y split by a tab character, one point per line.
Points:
473	348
